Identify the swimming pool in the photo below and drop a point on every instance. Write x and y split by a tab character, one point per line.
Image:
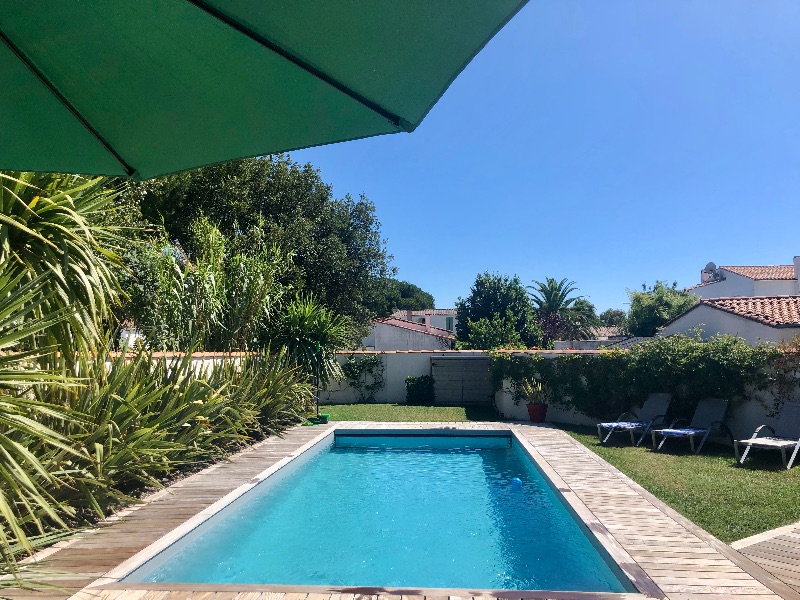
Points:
409	509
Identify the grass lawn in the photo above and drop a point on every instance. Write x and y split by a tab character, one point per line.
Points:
401	412
728	501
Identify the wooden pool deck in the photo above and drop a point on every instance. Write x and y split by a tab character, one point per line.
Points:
777	551
663	553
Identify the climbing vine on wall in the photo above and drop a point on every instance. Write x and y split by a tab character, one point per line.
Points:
606	384
364	374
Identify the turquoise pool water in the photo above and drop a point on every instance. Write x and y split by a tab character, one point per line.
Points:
396	511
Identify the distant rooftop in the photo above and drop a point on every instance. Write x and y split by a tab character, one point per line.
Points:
775	311
418	327
603	332
400	314
763	272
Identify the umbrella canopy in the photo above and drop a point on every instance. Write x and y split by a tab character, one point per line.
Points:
140	88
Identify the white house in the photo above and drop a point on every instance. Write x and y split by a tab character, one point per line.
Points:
757	303
754	318
399	334
443	318
768	280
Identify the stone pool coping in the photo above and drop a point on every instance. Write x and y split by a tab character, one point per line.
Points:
664	554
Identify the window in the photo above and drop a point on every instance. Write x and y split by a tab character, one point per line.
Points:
449	323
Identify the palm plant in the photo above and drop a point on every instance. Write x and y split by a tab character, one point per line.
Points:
268	384
142	417
551	296
49	225
28	487
311	334
561	315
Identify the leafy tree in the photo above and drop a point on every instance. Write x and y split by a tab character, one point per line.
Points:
652	307
401	295
583	319
338	254
489	334
613	317
494	299
561	315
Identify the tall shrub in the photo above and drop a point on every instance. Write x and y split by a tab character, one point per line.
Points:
136	418
219	298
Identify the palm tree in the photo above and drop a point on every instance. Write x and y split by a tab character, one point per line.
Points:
553	297
561	315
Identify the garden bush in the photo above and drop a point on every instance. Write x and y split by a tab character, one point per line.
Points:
83	430
420	390
606	384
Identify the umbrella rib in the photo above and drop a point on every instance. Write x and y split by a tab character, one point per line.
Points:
66	103
214	12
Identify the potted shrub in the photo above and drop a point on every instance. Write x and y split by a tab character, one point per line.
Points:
534	393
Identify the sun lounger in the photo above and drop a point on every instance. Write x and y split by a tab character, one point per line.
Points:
708	419
652	413
785	436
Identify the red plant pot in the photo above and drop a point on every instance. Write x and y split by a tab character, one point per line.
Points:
537	412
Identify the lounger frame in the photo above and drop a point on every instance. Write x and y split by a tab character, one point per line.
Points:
786	437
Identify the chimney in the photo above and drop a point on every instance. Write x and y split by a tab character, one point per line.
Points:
797	272
709	273
427	321
409	315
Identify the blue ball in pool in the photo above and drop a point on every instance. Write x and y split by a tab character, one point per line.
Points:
516	483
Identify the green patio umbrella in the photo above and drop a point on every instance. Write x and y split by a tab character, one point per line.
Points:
140	88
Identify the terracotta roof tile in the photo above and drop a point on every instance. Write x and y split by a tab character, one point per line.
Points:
775	311
765	272
605	331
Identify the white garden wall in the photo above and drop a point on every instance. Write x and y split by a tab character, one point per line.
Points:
398	365
202	362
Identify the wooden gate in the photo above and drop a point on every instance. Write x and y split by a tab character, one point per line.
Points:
462	380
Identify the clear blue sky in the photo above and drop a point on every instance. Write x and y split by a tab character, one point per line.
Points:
610	142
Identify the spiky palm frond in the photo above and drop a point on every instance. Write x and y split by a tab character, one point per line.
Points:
28	505
47	228
311	334
551	296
